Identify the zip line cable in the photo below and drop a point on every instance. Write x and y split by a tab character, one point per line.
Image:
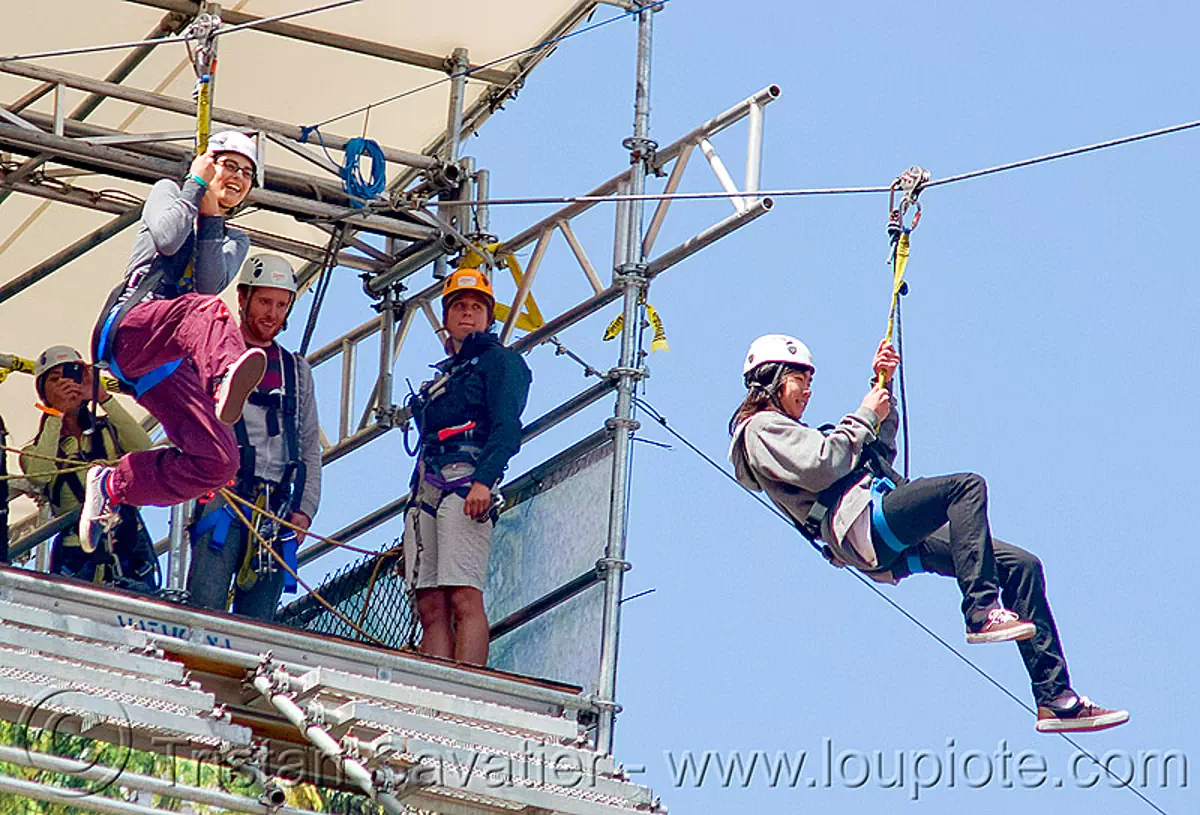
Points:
866	581
657	4
278	17
92	49
819	191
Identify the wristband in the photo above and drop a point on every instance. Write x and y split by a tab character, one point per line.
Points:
49	411
199	180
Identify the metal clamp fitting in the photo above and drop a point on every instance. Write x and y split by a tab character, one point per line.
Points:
314	713
385	780
640	149
606	704
608	564
614	424
634	373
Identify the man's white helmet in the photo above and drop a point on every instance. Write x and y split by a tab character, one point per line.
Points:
777	348
231	141
54	356
268	272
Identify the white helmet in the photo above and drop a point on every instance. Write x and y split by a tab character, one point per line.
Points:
50	359
777	348
54	356
268	272
231	141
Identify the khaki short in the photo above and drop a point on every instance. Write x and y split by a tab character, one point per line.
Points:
450	549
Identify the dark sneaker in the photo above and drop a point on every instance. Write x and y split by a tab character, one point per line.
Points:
238	382
97	514
1082	717
1002	626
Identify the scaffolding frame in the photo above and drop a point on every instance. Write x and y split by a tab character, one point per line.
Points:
415	236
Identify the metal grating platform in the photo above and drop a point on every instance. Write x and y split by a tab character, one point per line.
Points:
413	733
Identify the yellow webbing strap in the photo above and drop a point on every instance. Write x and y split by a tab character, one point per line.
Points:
530	317
247	575
899	262
203	117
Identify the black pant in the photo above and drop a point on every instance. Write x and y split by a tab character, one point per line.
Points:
918	513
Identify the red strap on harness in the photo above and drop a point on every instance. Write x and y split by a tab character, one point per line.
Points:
450	432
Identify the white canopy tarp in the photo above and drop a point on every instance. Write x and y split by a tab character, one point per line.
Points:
259	73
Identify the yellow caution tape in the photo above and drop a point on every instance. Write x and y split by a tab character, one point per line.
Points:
659	343
11	363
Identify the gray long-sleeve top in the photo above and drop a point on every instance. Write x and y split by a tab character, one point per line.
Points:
170	228
270	452
792	463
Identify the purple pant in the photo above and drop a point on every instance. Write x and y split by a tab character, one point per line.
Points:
198	329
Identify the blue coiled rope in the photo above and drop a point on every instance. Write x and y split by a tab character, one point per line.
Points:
351	172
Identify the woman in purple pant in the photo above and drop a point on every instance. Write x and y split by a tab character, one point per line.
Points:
167	335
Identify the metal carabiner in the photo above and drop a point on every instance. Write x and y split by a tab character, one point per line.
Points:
909	183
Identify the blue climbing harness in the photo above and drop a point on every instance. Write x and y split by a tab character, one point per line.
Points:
107	356
881	486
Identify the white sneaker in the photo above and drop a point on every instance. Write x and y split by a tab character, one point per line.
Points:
97	515
1002	626
238	382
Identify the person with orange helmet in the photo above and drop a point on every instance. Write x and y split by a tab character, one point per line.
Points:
837	485
469	419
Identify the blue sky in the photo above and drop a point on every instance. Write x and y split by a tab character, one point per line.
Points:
1049	344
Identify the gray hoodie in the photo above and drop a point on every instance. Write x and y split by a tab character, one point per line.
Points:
173	233
270	452
792	463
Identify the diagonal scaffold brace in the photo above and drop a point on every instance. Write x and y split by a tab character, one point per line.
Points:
383	786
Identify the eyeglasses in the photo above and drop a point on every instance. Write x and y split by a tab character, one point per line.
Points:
233	168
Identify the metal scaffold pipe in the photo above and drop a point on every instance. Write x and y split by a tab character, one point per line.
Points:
177	555
168	788
184	107
327	744
456	66
483	188
70	253
40	792
630	276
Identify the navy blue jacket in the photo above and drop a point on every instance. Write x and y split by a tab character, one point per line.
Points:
489	384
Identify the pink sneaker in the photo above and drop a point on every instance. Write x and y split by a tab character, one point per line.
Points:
1082	717
238	382
1002	626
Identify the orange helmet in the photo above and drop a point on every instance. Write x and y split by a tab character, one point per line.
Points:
463	280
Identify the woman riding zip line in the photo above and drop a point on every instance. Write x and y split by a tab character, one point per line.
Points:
166	334
834	486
